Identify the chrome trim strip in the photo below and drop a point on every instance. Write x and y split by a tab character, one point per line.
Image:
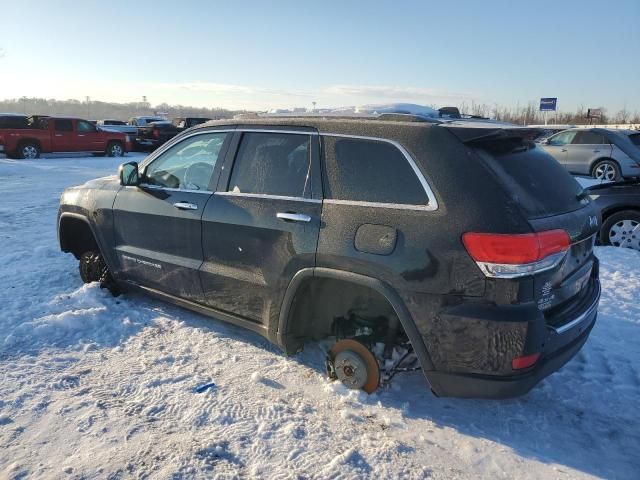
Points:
272	197
433	202
167	189
258	130
398	206
580	318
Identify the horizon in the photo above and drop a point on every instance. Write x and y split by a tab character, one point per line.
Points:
216	56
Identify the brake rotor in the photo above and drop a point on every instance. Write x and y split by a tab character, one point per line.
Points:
355	365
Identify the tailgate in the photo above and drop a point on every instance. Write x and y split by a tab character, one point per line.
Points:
556	289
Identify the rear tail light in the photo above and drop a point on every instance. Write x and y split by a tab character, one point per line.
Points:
519	363
509	256
156	133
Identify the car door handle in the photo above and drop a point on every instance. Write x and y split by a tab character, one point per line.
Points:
80	135
563	150
596	151
185	205
293	217
58	134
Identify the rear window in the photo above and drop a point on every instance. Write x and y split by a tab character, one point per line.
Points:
532	177
13	122
635	139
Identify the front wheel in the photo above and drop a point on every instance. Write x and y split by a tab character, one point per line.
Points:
115	149
606	171
29	151
622	229
94	269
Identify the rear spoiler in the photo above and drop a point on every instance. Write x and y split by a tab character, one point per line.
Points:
477	133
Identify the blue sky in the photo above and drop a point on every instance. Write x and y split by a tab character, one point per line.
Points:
247	54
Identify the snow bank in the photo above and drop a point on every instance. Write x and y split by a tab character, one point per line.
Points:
101	387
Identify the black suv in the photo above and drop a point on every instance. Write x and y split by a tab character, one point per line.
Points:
408	241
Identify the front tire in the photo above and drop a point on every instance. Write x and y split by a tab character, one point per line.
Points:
94	269
606	171
622	229
29	151
115	149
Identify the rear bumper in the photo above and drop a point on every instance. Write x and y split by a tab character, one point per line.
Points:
560	344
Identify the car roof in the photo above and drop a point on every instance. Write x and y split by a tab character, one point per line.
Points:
389	127
13	115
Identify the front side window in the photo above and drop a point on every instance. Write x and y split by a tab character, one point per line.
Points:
84	127
272	164
369	171
63	125
589	137
188	165
562	138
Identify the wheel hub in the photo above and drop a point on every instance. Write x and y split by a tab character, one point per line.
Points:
605	171
351	369
626	234
354	365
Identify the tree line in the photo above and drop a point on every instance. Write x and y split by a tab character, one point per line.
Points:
98	110
528	114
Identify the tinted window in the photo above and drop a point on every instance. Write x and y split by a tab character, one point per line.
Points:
188	165
13	122
635	139
532	177
83	126
369	171
563	138
63	126
272	164
589	137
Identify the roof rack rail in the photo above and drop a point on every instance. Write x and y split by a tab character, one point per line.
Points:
406	117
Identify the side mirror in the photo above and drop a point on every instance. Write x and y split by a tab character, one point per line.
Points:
129	175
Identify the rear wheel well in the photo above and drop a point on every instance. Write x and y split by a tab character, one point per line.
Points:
76	236
612	211
321	306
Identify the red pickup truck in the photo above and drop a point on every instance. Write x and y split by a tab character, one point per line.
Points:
43	134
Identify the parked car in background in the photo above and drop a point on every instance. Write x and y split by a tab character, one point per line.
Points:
43	134
619	204
543	132
155	134
460	244
118	126
144	120
608	155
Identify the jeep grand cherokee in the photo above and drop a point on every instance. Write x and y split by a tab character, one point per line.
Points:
465	246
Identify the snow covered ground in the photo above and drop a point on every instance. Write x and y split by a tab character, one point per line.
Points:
97	387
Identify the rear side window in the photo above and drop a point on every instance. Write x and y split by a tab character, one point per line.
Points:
369	171
635	139
13	122
588	137
272	164
63	125
532	177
